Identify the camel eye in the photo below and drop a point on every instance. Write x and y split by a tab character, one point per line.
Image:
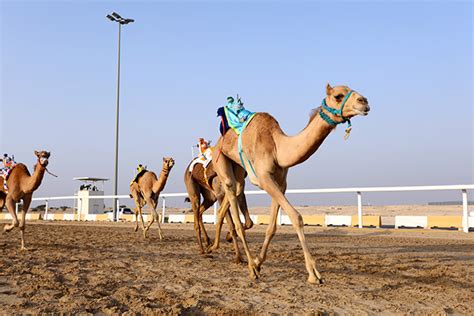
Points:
339	97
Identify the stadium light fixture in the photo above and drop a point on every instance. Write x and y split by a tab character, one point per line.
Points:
115	17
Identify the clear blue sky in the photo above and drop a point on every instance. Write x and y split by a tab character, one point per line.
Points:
180	60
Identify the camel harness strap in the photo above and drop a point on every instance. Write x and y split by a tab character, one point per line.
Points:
330	121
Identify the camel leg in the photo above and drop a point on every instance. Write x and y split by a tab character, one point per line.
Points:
222	212
194	195
11	205
138	205
140	212
269	185
152	204
158	221
253	270
245	211
209	200
238	256
271	229
26	206
152	220
207	240
195	204
231	186
136	219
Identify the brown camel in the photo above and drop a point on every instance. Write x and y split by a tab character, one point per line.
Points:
146	190
209	187
271	153
21	186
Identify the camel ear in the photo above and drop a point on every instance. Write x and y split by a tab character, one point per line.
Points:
37	153
328	89
164	159
48	154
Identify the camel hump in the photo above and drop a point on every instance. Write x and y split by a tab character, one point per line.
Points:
204	175
138	176
7	170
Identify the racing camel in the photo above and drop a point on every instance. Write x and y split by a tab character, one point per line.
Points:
21	186
268	152
204	182
146	190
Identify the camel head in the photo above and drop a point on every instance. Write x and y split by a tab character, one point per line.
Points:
168	163
349	101
43	157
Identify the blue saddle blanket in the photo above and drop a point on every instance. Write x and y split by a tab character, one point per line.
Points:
237	121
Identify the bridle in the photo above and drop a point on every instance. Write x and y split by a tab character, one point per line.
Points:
42	160
338	113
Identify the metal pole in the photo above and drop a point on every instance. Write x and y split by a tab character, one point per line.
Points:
163	211
117	125
17	206
359	209
465	223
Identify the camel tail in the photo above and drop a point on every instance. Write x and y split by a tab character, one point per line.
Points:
187	200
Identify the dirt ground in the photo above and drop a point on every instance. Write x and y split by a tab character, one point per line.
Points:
108	268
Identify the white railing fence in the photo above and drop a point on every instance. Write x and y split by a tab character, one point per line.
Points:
358	191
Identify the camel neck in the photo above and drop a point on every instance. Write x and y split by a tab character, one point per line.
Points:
160	184
35	180
164	172
293	150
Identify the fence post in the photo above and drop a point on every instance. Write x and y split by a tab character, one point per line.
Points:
79	207
465	219
46	208
279	217
359	209
17	206
215	212
163	211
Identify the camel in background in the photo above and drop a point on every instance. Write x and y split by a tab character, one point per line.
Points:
146	190
270	153
21	186
204	182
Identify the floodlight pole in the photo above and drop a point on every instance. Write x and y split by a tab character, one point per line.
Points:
117	124
114	17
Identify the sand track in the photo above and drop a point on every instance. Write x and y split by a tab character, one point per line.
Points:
109	268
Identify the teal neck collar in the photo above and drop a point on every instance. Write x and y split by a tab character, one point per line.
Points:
336	112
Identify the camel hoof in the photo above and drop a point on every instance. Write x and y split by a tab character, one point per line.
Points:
210	249
314	280
248	226
239	260
258	263
24	249
254	272
228	237
136	228
7	229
